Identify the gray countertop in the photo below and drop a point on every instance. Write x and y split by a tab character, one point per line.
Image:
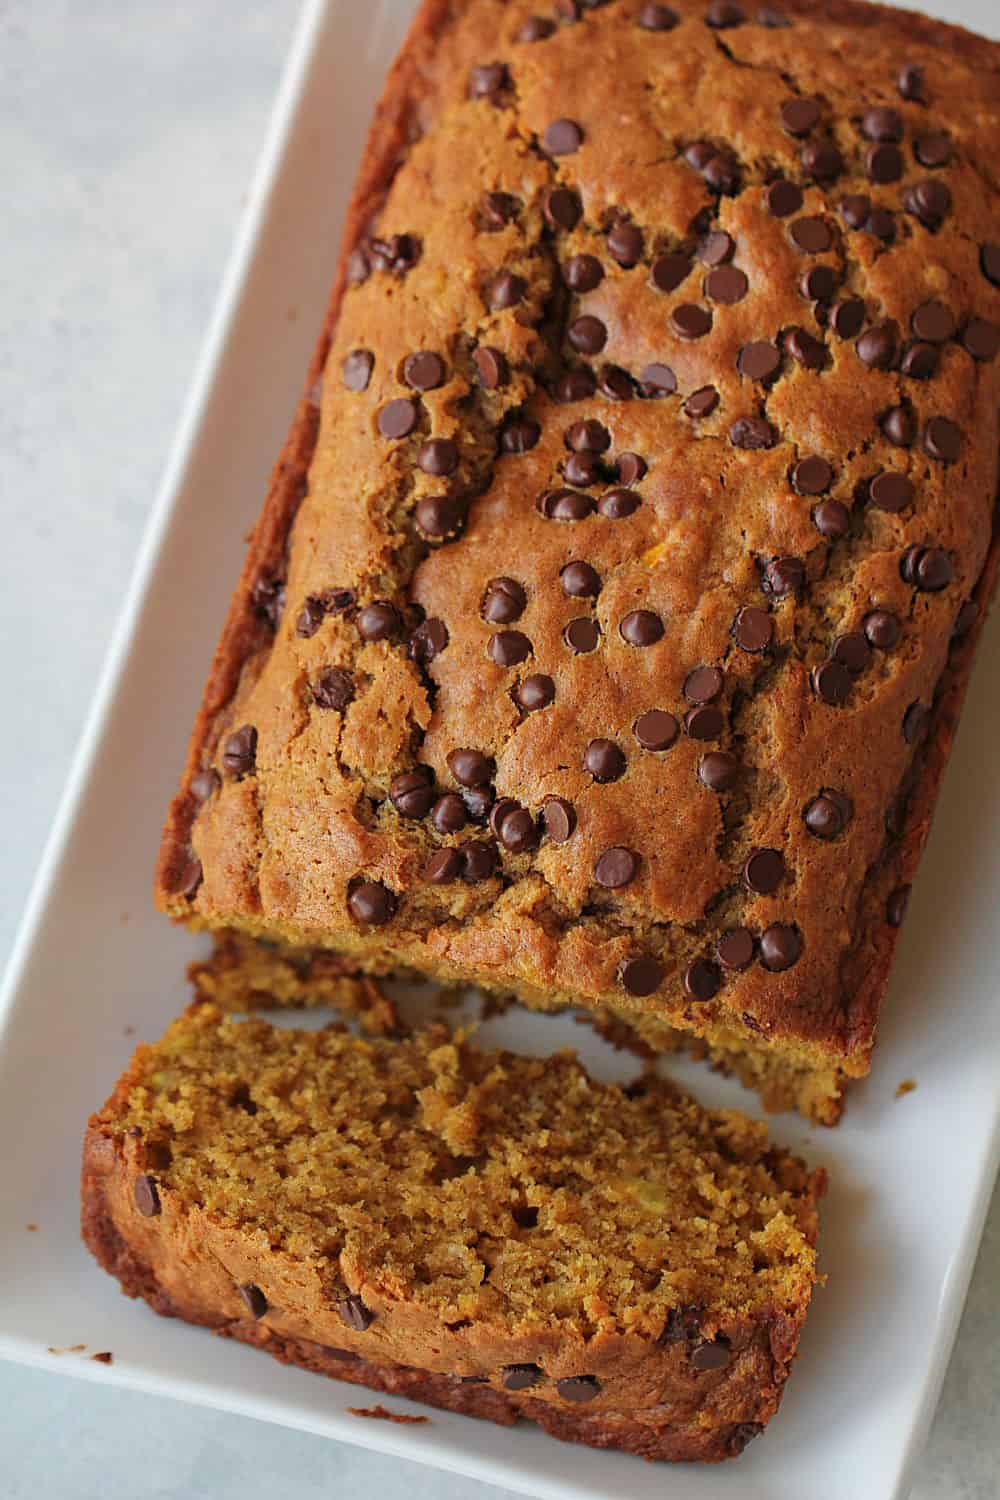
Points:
128	131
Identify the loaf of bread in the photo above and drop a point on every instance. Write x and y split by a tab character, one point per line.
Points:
498	1235
604	632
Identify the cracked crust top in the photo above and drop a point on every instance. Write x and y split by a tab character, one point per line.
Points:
652	473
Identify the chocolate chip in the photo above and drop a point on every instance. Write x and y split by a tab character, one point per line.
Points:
438	457
504	601
333	688
783	576
780	947
722	172
146	1196
470	767
398	418
702	980
753	629
448	814
479	862
703	685
818	283
920	361
812	476
882	124
933	322
701	403
444	867
519	1377
705	723
616	383
580	580
734	949
895	907
253	1298
910	83
929	201
582	273
722	14
847	317
509	647
783	198
478	802
535	691
657	18
355	1314
604	760
506	290
562	208
716	248
497	211
357	369
640	976
714	1356
822	160
517	831
933	570
882	225
698	155
575	385
657	380
582	469
876	347
439	515
882	629
689	321
399	253
763	871
827	815
641	627
916	723
566	505
891	491
718	771
806	350
487	81
799	116
884	163
562	138
499	811
587	335
727	284
378	621
981	339
239	753
989	263
752	433
491	367
558	819
831	519
943	440
588	437
933	150
412	792
626	244
536	29
811	235
371	903
205	785
852	651
519	434
616	868
668	271
832	682
582	635
424	371
898	426
656	729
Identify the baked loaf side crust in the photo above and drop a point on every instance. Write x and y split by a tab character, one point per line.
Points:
832	699
366	1277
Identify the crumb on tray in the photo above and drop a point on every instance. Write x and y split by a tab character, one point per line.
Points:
906	1087
383	1414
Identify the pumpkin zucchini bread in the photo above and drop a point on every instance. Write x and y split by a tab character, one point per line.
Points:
497	1235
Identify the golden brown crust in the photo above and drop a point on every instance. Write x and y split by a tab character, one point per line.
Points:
282	847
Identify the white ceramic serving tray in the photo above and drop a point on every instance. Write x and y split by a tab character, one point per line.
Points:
95	968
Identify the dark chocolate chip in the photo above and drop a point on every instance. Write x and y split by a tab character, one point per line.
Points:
615	868
146	1196
424	371
655	17
587	335
832	682
582	273
656	729
504	601
806	350
811	235
604	760
689	321
882	124
444	867
831	519
333	688
580	580
398	418
487	81
491	367
943	440
378	621
582	469
799	116
536	29
626	244
641	627
929	201
703	685
509	647
640	976
239	753
357	369
718	771
562	137
933	322
827	815
763	871
726	284
506	290
575	385
372	903
566	505
891	491
254	1299
818	283
933	150
989	263
981	339
895	907
701	403
783	198
752	433
519	1377
852	651
822	160
438	457
716	248
616	383
448	815
723	14
470	767
898	426
668	271
910	83
516	830
706	723
722	172
355	1314
734	949
876	347
753	629
780	947
412	792
882	629
920	361
812	476
579	1388
582	635
855	210
497	210
713	1356
439	515
783	576
847	317
702	980
558	819
535	691
479	861
884	163
519	434
563	208
657	380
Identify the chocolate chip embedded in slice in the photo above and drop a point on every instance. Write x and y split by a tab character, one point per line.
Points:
509	647
847	317
783	198
478	802
706	723
496	211
640	976
916	723
444	867
186	875
574	385
718	771
582	469
333	688
428	640
519	1377
689	321
424	370
438	457
371	903
702	980
898	426
604	760
239	753
753	629
884	163
933	570
566	505
716	248
479	861
582	273
254	1300
562	208
780	947
379	621
657	380
448	814
616	867
588	437
721	15
487	80
882	629
831	519
891	491
558	819
582	635
752	433
799	116
920	361
806	350
818	283
763	871
713	1356
357	369
470	767
517	831
703	685
412	793
626	244
616	504
812	476
910	83
630	468
519	434
734	949
852	651
827	815
934	149
615	383
505	291
759	361
536	691
655	17
641	627
562	137
981	339
989	262
876	347
398	418
536	29
580	581
504	601
355	1314
656	729
726	284
811	234
933	322
783	576
701	403
832	683
943	440
146	1196
587	335
577	1388
929	201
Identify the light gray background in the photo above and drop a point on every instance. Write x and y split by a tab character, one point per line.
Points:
128	133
